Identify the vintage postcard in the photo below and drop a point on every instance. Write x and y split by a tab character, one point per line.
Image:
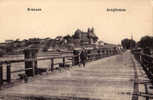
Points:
76	50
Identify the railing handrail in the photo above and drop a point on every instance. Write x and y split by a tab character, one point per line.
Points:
46	58
146	61
31	63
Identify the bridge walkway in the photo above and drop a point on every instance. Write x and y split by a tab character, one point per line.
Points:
111	78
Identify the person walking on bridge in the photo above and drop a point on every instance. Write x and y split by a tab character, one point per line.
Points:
83	57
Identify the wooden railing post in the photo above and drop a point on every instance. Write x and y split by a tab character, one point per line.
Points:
104	53
63	61
76	57
33	67
72	60
52	64
79	60
30	56
107	53
100	53
1	74
8	72
36	66
111	52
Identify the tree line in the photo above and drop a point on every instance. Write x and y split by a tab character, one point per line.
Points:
144	42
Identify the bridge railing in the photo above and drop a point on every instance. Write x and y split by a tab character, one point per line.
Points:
65	62
146	62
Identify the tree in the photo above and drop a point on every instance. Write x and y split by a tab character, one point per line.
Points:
128	43
125	43
145	42
9	48
68	38
132	43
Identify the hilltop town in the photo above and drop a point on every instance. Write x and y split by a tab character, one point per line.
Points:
78	39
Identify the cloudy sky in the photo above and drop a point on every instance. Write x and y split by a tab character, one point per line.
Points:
62	17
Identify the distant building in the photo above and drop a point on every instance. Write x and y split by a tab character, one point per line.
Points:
9	41
3	44
85	38
101	43
59	38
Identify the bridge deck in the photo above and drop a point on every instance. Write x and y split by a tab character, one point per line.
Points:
110	78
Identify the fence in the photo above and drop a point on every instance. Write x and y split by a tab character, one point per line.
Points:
147	63
32	68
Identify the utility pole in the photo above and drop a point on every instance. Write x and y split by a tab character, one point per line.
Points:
131	41
132	36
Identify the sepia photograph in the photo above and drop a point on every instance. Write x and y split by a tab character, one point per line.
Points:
76	50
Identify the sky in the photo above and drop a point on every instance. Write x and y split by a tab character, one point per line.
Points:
62	17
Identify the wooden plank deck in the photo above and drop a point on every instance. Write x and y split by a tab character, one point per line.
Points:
111	78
